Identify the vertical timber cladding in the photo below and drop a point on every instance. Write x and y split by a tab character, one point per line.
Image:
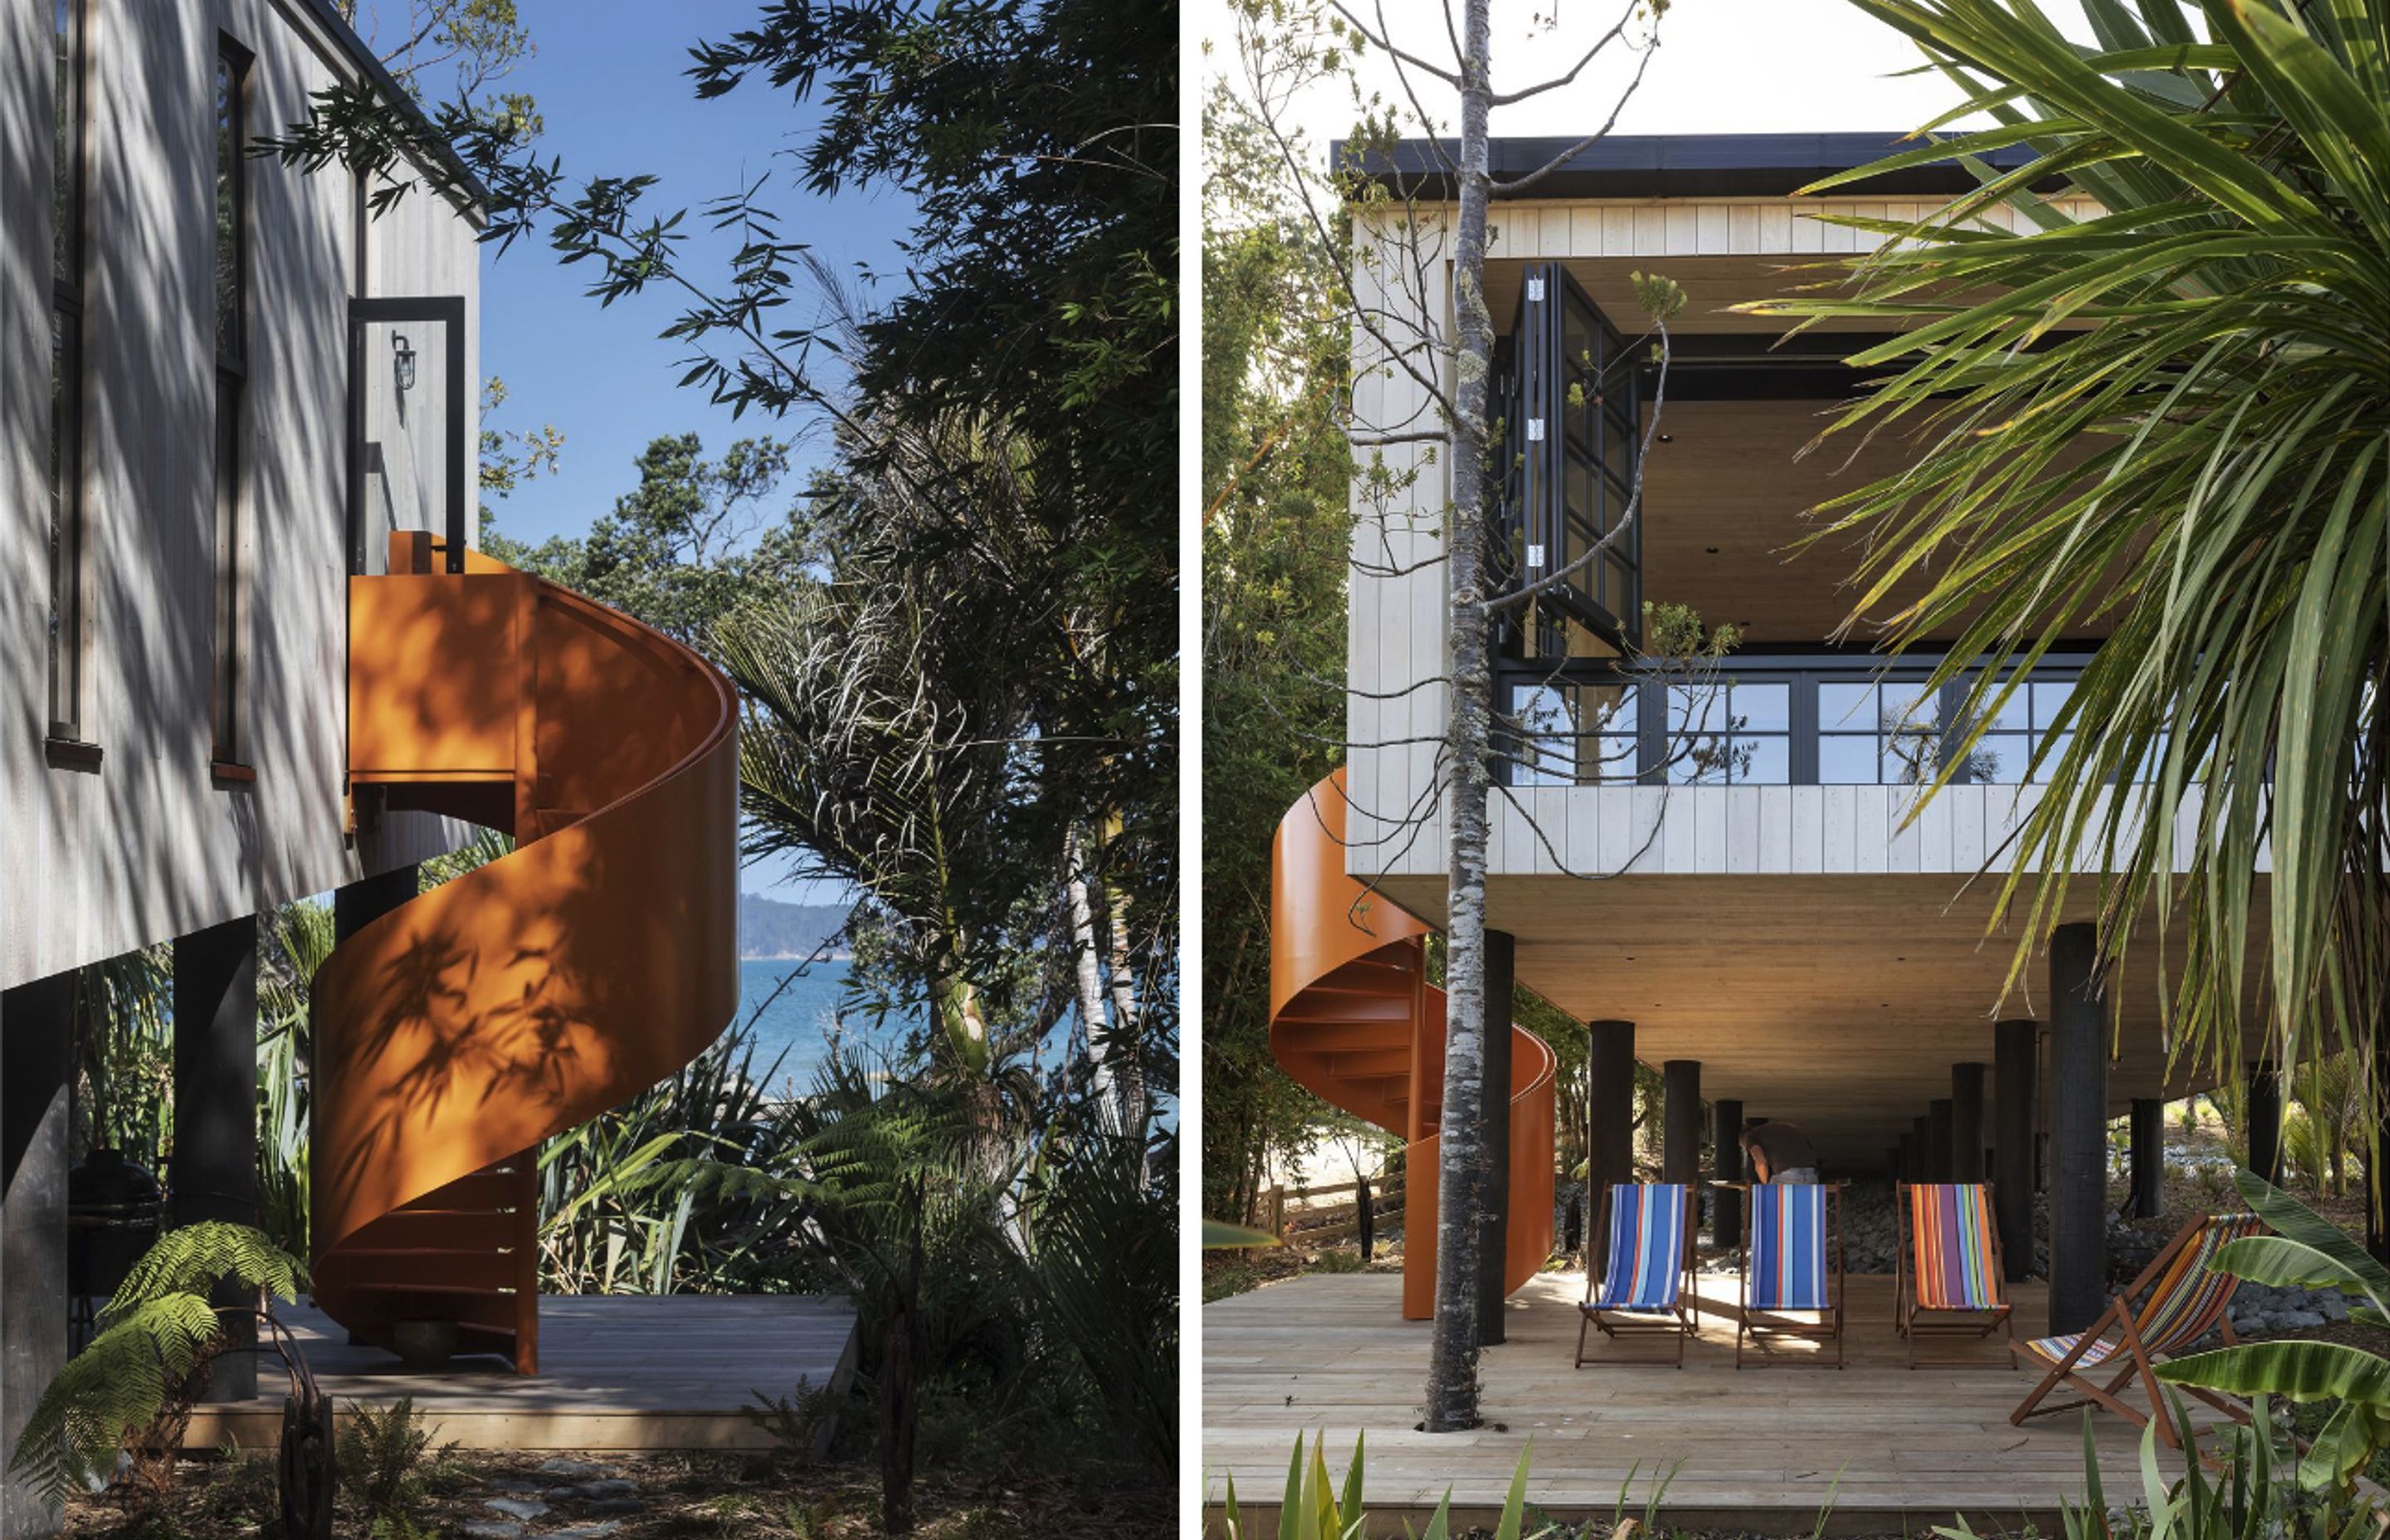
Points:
1573	414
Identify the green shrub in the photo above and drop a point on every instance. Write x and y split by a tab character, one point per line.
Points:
390	1465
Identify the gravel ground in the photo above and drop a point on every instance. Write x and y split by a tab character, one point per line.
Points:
504	1495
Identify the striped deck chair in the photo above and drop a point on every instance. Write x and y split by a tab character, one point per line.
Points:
1643	1290
1792	1266
1947	1279
2184	1299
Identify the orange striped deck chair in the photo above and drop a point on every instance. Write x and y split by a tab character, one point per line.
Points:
1947	1279
2183	1300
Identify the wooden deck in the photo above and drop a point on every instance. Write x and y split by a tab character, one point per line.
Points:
617	1372
1897	1449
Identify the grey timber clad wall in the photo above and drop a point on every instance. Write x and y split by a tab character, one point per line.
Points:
147	847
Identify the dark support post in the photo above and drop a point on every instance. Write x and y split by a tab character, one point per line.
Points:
216	1110
1726	1165
1937	1137
2013	1048
1493	1222
359	903
2265	1119
1966	1123
2149	1156
2078	1154
1680	1121
34	1054
1609	1078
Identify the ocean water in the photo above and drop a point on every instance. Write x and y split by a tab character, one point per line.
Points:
797	1020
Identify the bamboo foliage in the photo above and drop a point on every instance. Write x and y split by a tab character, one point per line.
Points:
2168	420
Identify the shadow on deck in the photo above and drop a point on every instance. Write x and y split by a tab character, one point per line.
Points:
617	1372
1892	1448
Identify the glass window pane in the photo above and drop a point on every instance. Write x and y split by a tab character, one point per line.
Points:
2016	713
2057	751
1763	761
1618	447
1538	708
2048	698
1619	762
1907	758
1699	760
1846	759
1761	708
1617	587
1846	707
1999	758
1908	705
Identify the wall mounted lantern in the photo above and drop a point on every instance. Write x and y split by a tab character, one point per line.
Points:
403	360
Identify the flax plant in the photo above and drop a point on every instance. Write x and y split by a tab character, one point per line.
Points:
2165	420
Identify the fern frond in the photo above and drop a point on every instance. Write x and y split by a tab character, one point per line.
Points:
195	1258
113	1388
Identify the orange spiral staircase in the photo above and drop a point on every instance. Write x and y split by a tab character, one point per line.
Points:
457	1032
1353	1019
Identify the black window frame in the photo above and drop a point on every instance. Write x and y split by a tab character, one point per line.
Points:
1551	442
228	724
1802	670
64	733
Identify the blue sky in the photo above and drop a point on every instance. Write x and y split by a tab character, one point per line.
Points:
609	81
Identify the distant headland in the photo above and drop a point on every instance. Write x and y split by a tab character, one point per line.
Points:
771	931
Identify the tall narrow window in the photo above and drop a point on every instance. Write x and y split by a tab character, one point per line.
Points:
232	374
66	381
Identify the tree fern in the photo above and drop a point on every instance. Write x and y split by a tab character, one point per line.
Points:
194	1258
159	1329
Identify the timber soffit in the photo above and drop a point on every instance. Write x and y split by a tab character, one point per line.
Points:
1684	165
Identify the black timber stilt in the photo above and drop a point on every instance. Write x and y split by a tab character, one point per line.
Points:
2016	1047
2078	1077
215	1109
1966	1123
1726	1165
36	1037
2265	1101
1610	1082
359	903
1937	1137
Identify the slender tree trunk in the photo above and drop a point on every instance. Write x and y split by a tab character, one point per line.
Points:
1090	975
900	1403
1128	1069
1461	1173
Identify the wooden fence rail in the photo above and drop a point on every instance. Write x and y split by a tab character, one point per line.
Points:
1286	1214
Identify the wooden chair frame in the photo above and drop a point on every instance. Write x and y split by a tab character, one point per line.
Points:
2132	1362
1620	1325
1915	1322
1759	1326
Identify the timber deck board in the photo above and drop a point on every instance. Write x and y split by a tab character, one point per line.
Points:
1330	1352
617	1372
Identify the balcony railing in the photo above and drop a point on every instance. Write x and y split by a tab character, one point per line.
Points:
1767	720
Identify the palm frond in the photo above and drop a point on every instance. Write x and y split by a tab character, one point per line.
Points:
2167	423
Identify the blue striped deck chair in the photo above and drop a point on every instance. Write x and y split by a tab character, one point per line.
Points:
2184	1297
1644	1289
1792	1270
1946	1278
